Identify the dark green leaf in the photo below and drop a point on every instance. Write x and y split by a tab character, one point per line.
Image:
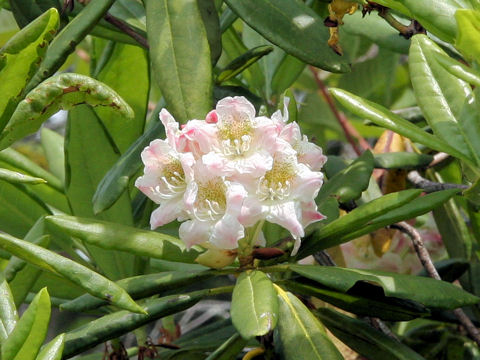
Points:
180	56
300	335
294	27
229	349
429	292
211	22
401	160
363	338
254	305
287	71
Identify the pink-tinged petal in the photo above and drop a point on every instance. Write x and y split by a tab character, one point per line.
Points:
212	117
310	213
311	155
307	184
266	135
198	137
156	154
249	169
188	161
252	211
236	195
227	232
296	245
237	104
171	127
190	196
291	133
286	215
146	184
217	164
194	232
165	213
277	115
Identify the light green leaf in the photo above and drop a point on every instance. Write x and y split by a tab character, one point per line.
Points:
63	91
292	26
53	145
180	56
113	236
8	310
468	32
25	340
254	305
89	280
300	335
19	178
458	69
427	291
19	59
53	350
444	99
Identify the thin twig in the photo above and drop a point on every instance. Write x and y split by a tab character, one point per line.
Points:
431	186
350	132
438	158
123	26
380	325
427	263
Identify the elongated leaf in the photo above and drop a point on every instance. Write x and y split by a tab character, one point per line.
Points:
416	207
53	350
53	145
243	62
114	183
254	305
349	183
126	62
180	56
211	21
468	31
458	69
19	60
300	335
328	235
114	236
294	27
87	140
363	338
287	71
25	340
363	303
229	349
8	311
140	287
401	160
89	280
444	99
385	118
19	178
66	41
121	322
429	292
62	91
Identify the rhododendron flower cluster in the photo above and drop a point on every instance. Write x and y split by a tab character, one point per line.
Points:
231	171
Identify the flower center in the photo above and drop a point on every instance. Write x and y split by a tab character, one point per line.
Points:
171	180
235	133
211	200
277	182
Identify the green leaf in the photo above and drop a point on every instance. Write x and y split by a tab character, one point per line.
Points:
8	310
401	160
119	323
349	183
429	292
385	118
229	349
254	305
127	62
294	27
468	32
89	280
329	235
211	21
180	56
243	62
19	178
116	180
25	340
19	59
86	140
141	286
444	99
416	207
300	335
66	41
112	236
63	91
287	71
364	339
458	69
364	302
53	146
53	350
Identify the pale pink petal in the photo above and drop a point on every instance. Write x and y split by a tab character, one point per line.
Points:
311	154
155	155
194	232
165	213
310	213
236	195
286	215
188	161
212	117
227	232
237	104
307	184
291	133
198	137
171	127
146	184
217	164
252	211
